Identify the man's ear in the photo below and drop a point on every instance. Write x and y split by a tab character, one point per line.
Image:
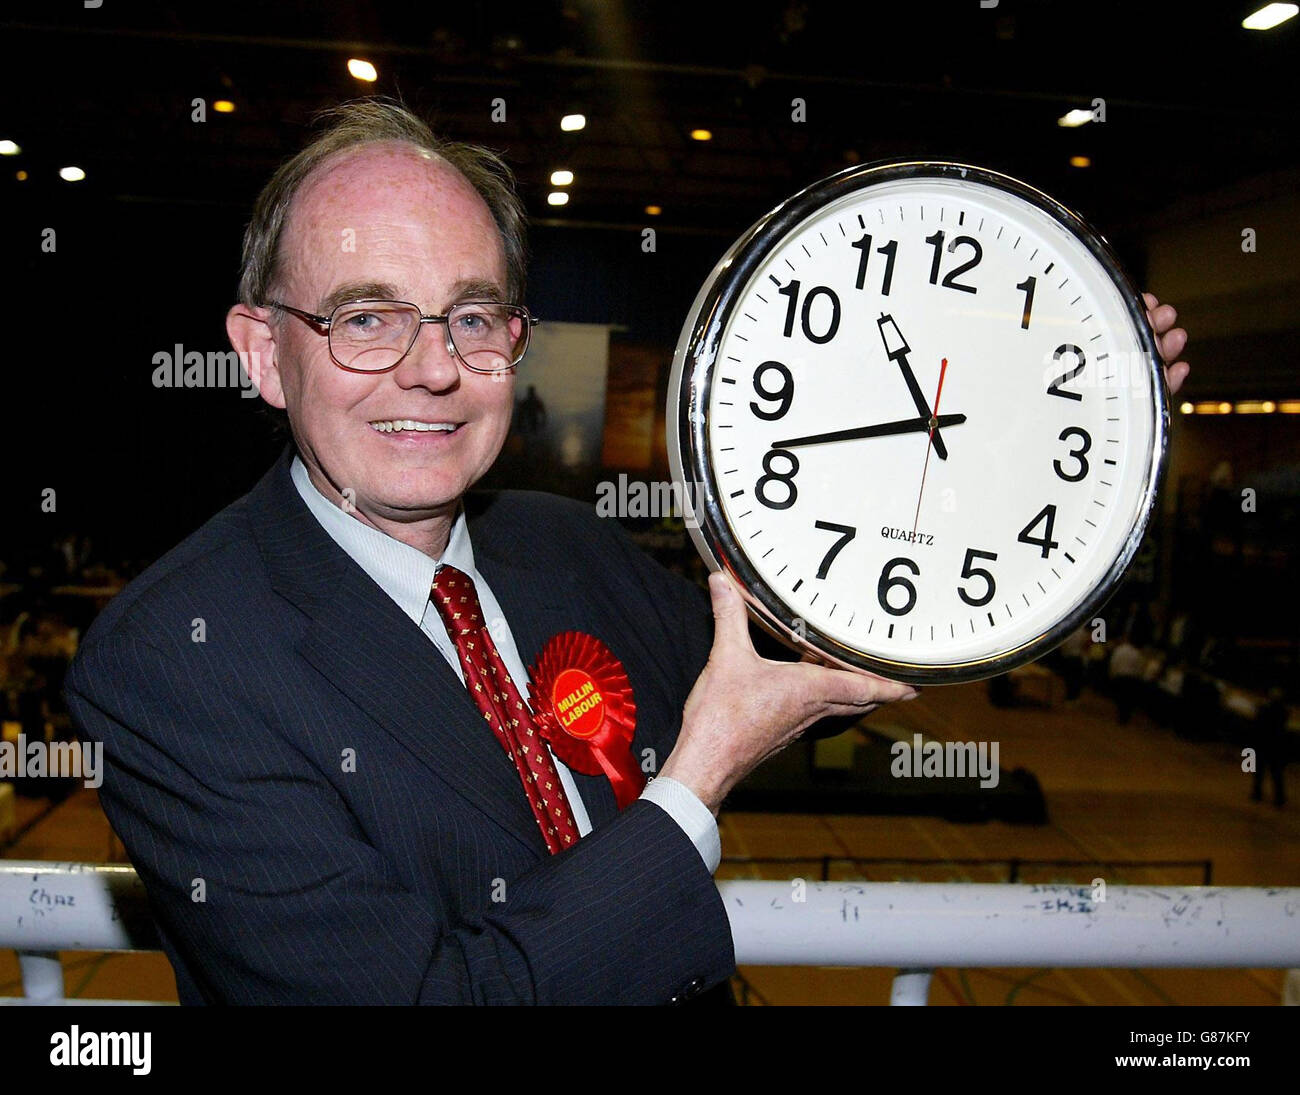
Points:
249	330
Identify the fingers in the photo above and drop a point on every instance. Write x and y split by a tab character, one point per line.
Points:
1173	343
1170	340
730	619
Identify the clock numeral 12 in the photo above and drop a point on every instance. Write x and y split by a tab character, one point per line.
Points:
950	279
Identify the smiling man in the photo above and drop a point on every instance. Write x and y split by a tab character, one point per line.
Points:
388	222
320	755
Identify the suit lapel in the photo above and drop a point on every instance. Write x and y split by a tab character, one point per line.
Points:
372	652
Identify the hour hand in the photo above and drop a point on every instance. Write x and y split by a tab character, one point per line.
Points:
897	349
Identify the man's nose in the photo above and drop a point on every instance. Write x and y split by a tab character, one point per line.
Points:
429	362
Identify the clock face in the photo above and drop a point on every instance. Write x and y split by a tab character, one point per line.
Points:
924	419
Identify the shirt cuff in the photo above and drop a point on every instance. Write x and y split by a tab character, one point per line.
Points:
681	804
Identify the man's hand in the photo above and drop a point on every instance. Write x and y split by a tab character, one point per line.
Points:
1171	340
744	707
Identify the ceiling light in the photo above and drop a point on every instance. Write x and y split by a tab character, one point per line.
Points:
653	210
571	123
561	178
224	106
9	148
71	174
1269	16
1074	118
1080	161
1187	408
557	197
701	135
20	175
362	70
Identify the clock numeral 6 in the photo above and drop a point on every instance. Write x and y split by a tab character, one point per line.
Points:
968	571
888	581
1076	453
1047	515
950	279
791	290
785	478
783	395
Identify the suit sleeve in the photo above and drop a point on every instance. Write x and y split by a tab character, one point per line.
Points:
266	887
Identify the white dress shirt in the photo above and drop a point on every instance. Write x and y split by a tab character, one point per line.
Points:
406	574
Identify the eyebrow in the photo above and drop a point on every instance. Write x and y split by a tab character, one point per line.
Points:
464	289
357	290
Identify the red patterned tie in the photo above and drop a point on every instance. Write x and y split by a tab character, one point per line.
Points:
491	688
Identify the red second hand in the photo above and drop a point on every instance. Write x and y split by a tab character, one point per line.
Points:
934	420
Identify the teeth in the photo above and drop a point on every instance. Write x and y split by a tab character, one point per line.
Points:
397	425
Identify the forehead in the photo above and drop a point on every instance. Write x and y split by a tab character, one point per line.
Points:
390	213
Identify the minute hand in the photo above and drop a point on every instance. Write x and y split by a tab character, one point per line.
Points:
880	429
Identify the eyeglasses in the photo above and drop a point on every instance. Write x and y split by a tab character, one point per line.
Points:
372	336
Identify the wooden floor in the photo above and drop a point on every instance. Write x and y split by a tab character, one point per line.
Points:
1113	794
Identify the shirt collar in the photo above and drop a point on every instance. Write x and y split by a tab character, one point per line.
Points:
403	572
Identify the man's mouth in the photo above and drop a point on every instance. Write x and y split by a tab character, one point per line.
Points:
403	425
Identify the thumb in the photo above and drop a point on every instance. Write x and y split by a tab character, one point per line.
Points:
731	620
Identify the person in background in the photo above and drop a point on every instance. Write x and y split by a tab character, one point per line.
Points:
1269	739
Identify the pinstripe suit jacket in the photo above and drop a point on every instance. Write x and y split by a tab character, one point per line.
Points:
308	793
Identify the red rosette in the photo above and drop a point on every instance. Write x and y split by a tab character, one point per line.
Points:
582	704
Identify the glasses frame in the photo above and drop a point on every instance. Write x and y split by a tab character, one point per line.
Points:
327	322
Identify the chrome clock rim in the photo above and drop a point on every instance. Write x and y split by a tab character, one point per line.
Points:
690	389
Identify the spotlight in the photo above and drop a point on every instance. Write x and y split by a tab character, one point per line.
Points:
362	70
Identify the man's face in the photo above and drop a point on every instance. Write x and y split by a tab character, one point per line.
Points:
387	222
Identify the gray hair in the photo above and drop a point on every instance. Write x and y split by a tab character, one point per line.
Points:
367	121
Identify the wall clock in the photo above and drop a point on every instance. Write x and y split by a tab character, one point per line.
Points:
921	418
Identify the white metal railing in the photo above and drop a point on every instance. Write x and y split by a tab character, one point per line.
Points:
913	927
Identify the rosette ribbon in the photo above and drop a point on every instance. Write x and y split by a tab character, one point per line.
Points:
582	704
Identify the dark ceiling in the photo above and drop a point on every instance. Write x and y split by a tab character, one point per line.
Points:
1192	100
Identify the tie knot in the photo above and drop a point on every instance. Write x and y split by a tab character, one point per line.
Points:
456	600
